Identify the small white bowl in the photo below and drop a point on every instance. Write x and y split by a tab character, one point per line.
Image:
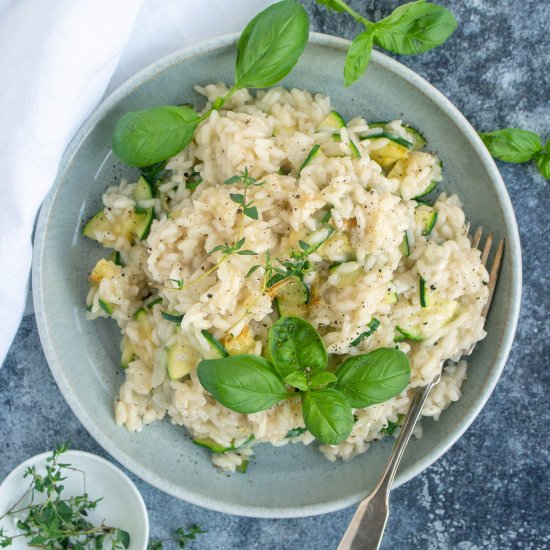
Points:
122	505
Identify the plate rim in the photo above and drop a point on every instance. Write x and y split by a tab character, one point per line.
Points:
513	248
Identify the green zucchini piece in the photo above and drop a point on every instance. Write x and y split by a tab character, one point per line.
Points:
391	137
419	141
409	334
427	296
355	153
140	314
242	467
348	273
311	155
106	307
116	258
426	217
181	359
431	186
296	432
193	181
292	298
214	447
338	248
143	190
327	216
127	354
145	219
389	154
154	302
211	445
372	326
217	350
378	124
404	246
316	239
333	121
89	307
391	296
175	317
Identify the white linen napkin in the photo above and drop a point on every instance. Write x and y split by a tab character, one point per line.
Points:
57	60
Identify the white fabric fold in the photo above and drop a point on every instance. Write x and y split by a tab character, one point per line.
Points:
57	60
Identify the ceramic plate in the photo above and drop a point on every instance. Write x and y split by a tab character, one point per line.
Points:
293	480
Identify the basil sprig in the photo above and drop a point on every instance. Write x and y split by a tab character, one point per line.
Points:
249	383
268	49
412	28
516	145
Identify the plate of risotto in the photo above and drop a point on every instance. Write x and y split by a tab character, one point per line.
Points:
243	324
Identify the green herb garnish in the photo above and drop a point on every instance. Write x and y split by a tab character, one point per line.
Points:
517	146
412	28
267	50
250	384
59	522
181	538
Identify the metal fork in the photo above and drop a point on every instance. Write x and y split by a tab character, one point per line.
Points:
366	528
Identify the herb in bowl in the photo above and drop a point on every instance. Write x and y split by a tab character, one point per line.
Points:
57	522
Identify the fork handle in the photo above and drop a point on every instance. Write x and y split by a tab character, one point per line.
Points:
366	528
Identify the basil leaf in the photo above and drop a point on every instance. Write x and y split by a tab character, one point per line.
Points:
271	45
331	4
512	144
415	27
327	415
322	379
142	138
242	383
543	161
374	377
358	57
295	345
298	380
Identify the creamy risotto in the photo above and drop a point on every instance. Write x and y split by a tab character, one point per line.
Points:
386	267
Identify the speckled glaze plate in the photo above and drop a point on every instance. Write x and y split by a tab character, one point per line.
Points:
293	480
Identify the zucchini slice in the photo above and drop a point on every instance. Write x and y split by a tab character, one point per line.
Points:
311	155
372	326
106	307
348	273
338	248
145	219
292	297
419	141
316	239
295	432
173	316
135	224
391	295
333	121
193	181
127	354
432	185
143	190
104	269
422	291
154	302
242	343
426	217
388	155
214	447
408	334
404	247
391	137
116	258
216	350
181	359
355	153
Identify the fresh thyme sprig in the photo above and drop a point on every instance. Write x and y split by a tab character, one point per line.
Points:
59	522
181	538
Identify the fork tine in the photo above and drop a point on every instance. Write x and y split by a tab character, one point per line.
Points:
477	237
487	248
493	276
